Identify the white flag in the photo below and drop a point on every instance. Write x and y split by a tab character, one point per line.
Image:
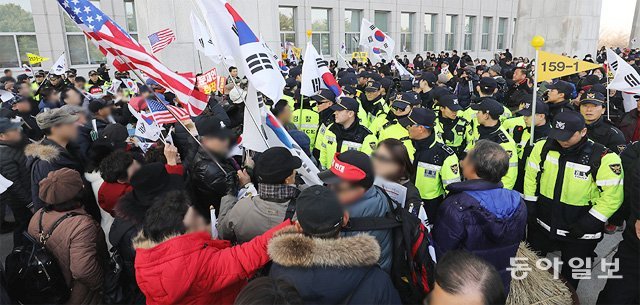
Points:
629	101
115	85
626	77
401	69
253	55
372	36
59	66
612	60
268	132
205	43
6	95
4	184
310	79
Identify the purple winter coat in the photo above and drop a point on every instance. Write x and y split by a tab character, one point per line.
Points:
483	218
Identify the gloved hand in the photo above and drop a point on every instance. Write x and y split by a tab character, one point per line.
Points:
575	231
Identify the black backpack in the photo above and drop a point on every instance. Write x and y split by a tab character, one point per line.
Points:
33	273
412	267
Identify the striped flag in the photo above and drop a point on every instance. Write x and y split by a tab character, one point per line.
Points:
160	40
125	53
162	113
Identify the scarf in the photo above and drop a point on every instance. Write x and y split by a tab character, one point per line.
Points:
277	191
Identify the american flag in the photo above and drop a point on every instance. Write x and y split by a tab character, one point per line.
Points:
125	53
161	113
160	40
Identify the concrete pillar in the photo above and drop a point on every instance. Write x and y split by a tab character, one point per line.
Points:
570	26
635	28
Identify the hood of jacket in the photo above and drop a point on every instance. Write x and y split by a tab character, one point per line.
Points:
291	249
42	151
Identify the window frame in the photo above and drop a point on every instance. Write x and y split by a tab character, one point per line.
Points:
501	36
20	55
286	35
406	45
321	35
450	34
486	34
430	36
351	45
469	36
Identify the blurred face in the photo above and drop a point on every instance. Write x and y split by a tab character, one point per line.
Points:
105	112
440	297
79	84
11	136
597	73
24	89
343	116
234	72
9	85
65	131
132	169
362	81
216	145
448	113
347	193
638	102
518	75
194	222
372	95
383	163
591	113
22	107
93	77
55	80
73	98
577	136
468	170
39	79
82	119
285	116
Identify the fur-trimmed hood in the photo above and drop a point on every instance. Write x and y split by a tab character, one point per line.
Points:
42	151
291	249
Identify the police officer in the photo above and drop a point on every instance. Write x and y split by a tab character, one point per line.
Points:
375	101
351	91
390	127
521	134
450	128
599	129
559	98
427	83
488	116
436	164
487	88
572	186
346	133
324	100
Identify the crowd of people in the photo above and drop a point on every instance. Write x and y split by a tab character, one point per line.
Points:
185	221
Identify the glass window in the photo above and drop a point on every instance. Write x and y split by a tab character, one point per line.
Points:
287	25
487	26
451	29
17	33
381	20
406	32
130	16
469	27
352	21
502	30
430	32
81	51
321	37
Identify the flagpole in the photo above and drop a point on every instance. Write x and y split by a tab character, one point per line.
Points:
537	42
608	105
200	61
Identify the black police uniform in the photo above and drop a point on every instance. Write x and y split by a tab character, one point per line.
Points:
602	131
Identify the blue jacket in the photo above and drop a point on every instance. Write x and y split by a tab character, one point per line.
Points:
484	219
343	270
374	203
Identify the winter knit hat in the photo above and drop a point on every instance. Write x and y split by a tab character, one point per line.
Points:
60	186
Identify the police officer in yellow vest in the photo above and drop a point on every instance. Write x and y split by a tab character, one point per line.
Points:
488	116
375	103
386	125
350	91
451	129
39	80
324	100
436	164
346	133
521	134
487	87
572	186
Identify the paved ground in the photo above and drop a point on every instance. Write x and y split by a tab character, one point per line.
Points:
588	289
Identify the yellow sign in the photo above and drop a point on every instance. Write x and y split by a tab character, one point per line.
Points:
552	66
360	56
36	59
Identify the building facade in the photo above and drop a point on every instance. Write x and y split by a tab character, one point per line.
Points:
480	27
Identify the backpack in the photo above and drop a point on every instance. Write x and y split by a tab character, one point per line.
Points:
412	267
33	273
